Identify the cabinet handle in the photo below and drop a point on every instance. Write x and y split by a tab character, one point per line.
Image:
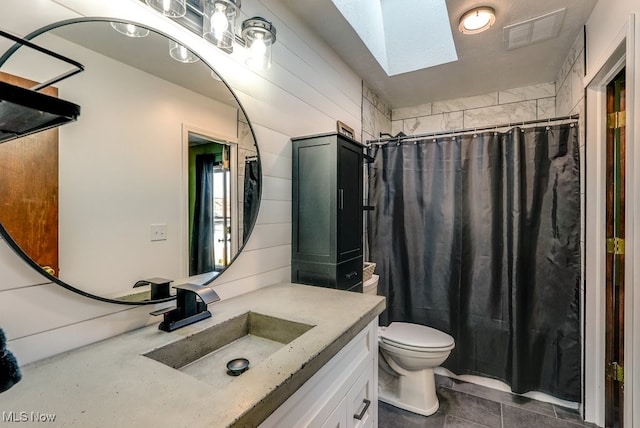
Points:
351	275
341	199
360	415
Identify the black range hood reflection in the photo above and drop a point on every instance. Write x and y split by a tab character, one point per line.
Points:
25	111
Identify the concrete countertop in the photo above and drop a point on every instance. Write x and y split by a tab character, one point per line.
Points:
111	383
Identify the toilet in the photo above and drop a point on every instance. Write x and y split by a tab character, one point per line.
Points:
408	354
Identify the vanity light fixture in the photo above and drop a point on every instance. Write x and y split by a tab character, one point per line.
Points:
170	8
219	22
181	53
215	21
130	30
477	20
258	35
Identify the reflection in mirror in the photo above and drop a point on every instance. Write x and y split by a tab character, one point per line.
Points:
210	204
159	179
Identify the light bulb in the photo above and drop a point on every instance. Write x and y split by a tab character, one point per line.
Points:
477	20
258	48
129	29
166	5
219	21
182	51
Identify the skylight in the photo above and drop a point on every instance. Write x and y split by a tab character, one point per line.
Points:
402	35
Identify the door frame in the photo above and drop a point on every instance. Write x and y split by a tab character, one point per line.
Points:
232	142
620	54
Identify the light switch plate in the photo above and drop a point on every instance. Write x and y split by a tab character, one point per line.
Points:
158	232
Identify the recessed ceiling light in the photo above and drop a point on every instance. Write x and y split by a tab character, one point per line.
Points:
477	20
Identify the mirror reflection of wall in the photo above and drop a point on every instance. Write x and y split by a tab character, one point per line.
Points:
123	190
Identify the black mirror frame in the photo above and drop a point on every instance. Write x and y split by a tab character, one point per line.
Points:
14	245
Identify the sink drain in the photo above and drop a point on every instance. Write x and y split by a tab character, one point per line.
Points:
237	366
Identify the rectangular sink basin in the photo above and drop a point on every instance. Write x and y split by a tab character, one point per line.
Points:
205	354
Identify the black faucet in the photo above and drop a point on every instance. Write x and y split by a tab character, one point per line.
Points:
159	287
191	306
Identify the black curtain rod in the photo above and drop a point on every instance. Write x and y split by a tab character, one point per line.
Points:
401	137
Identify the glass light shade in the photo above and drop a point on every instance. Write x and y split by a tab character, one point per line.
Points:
477	20
181	53
171	8
219	26
259	35
130	30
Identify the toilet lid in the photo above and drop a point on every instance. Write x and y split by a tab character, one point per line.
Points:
415	335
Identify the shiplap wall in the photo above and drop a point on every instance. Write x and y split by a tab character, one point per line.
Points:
305	92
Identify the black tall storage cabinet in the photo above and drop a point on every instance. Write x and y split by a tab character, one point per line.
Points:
327	212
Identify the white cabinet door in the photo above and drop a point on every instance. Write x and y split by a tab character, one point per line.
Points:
338	418
337	391
361	400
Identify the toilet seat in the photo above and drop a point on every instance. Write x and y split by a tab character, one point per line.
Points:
415	337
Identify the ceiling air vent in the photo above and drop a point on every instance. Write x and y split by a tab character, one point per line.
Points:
533	30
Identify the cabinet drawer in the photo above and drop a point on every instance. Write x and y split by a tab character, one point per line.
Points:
343	276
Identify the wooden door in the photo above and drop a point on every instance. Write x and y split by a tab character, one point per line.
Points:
29	189
615	229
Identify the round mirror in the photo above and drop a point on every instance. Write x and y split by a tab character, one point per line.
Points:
157	182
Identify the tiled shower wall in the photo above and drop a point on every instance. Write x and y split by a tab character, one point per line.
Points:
376	115
495	108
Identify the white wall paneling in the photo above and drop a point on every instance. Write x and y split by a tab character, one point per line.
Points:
306	91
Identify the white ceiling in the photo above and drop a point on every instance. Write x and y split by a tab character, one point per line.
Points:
484	64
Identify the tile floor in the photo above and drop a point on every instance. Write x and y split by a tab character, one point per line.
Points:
466	405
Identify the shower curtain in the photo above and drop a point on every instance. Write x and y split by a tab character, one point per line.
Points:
251	195
479	236
202	257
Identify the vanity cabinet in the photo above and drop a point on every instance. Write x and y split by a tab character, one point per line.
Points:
327	205
343	393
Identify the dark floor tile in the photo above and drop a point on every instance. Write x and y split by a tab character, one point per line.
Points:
392	417
468	407
453	422
515	417
504	397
